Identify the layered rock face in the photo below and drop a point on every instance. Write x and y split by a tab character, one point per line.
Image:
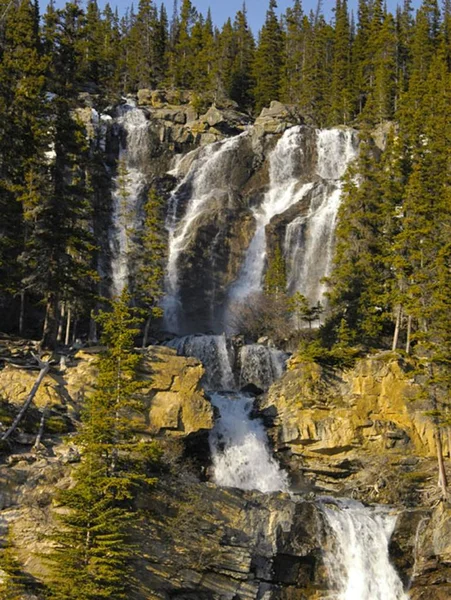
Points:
368	434
361	433
235	191
361	427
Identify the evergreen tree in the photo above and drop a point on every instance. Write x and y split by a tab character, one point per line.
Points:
275	276
342	98
13	583
143	47
360	275
268	64
150	277
292	81
241	81
92	557
24	138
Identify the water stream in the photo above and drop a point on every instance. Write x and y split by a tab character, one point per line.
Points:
357	556
356	552
239	448
208	173
132	128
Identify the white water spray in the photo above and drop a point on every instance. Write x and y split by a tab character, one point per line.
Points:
239	448
357	560
207	175
284	191
214	354
309	240
308	244
128	189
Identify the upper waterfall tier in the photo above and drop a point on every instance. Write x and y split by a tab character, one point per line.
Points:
238	200
132	130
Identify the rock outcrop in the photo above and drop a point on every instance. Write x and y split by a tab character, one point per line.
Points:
367	433
365	430
176	405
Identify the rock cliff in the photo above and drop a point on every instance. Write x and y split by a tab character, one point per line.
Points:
361	433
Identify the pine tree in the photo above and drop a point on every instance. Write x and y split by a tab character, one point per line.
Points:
183	60
342	99
292	80
13	583
24	138
360	275
143	51
275	276
268	64
150	277
93	547
241	83
380	102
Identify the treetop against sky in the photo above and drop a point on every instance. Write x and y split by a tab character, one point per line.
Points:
221	10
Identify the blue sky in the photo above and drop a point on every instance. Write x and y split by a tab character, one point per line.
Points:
222	9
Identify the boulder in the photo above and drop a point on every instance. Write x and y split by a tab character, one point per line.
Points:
16	384
277	118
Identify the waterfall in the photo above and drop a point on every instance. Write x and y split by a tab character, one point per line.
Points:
214	354
231	368
239	448
128	187
308	244
207	175
260	365
357	560
284	191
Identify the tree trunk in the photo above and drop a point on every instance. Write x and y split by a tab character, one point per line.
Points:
41	427
442	479
92	328
50	331
59	337
69	315
397	328
74	331
409	333
22	312
43	372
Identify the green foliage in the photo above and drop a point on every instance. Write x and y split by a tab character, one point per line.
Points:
269	57
301	310
93	548
275	276
13	584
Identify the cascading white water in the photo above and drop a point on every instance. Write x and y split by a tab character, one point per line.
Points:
208	174
213	353
132	126
308	241
260	365
308	245
357	560
239	448
284	191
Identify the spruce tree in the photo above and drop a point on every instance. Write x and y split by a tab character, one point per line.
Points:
93	548
151	258
292	80
342	98
269	58
241	81
275	276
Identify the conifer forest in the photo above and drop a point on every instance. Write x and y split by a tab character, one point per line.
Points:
225	302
